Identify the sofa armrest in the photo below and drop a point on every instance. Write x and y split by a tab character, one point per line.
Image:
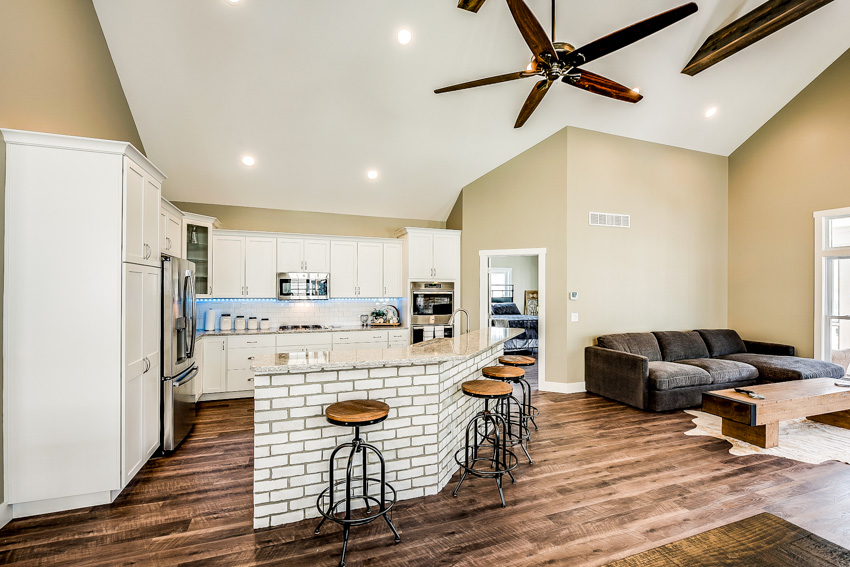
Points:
759	347
618	375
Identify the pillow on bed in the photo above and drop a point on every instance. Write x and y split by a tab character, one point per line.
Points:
505	309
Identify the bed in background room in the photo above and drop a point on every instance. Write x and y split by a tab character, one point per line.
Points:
509	315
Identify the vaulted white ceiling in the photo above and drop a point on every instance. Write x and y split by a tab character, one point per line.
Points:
319	92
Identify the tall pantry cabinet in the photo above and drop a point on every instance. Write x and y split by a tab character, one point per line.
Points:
81	331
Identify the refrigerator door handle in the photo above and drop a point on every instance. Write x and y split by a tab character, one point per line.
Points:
187	378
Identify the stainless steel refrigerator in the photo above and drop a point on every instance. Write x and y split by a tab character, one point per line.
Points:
178	351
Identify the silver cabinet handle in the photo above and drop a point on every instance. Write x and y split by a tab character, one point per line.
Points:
147	365
250	358
251	379
210	290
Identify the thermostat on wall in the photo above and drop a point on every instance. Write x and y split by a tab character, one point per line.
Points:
573	296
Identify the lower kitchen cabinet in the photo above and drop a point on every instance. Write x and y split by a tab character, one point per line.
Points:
241	353
360	340
304	342
214	364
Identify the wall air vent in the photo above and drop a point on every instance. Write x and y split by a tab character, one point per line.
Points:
608	219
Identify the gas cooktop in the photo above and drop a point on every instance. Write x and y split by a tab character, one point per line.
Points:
303	327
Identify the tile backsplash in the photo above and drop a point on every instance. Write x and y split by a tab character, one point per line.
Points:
338	312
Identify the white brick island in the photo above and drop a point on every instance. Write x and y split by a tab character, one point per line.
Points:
428	413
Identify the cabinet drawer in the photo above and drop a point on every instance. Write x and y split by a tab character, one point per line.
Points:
304	339
251	341
360	337
239	380
242	358
304	348
400	335
399	344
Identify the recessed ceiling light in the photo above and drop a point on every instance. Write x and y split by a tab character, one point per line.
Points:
372	174
248	160
404	37
232	2
711	112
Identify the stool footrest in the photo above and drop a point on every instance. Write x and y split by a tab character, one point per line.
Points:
330	512
469	466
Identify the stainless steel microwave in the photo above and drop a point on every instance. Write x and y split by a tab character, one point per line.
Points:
303	285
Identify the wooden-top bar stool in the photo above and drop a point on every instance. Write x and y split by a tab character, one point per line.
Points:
479	433
511	408
356	414
518	360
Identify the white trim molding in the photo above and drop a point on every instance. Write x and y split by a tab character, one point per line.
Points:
563	387
484	296
5	514
823	252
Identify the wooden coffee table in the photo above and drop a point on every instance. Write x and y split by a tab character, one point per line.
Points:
757	421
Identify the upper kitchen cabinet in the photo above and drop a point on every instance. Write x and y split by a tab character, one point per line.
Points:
170	230
393	284
303	255
365	268
142	198
197	248
343	271
431	254
76	421
243	266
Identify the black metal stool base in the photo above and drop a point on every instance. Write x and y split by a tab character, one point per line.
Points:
517	430
330	510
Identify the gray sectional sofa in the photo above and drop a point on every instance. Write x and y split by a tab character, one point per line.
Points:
669	370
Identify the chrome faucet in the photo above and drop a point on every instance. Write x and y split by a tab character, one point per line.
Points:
458	310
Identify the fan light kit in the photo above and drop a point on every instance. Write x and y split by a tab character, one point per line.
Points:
711	112
404	37
372	174
561	61
248	160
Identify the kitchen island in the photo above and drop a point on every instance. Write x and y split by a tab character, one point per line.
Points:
428	413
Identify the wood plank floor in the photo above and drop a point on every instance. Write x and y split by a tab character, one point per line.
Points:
608	482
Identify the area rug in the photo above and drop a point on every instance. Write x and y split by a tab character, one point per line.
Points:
759	540
799	439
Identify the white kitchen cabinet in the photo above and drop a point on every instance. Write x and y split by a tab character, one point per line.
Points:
66	415
304	342
243	266
303	255
360	340
170	230
214	364
370	269
431	254
141	306
398	338
197	248
142	194
392	260
241	353
260	267
198	382
343	268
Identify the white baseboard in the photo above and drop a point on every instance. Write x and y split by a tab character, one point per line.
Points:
25	509
5	514
210	397
562	388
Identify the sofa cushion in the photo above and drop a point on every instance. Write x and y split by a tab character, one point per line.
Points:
721	342
670	375
724	371
783	368
679	345
643	344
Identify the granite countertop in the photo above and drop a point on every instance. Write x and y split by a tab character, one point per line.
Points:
430	352
330	329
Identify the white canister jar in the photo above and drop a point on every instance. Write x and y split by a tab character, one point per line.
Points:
239	323
264	324
252	323
226	322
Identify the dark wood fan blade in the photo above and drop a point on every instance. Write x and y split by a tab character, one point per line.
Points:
470	5
534	98
487	81
531	30
628	35
771	16
598	84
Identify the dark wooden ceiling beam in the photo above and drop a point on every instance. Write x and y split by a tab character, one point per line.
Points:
771	16
470	5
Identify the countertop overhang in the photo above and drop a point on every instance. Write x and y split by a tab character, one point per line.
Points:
432	352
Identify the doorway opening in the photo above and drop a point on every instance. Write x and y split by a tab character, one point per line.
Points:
512	294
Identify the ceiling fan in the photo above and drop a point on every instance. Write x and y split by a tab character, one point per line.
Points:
559	60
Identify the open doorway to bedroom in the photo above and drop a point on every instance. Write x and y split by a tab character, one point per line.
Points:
512	294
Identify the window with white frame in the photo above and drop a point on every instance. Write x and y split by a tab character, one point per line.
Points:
832	285
501	284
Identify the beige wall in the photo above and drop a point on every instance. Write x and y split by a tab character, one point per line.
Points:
491	221
275	220
57	74
669	271
455	220
797	163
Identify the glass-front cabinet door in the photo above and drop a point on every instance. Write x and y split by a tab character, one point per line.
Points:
198	249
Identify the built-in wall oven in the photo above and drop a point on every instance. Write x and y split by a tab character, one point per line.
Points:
431	307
